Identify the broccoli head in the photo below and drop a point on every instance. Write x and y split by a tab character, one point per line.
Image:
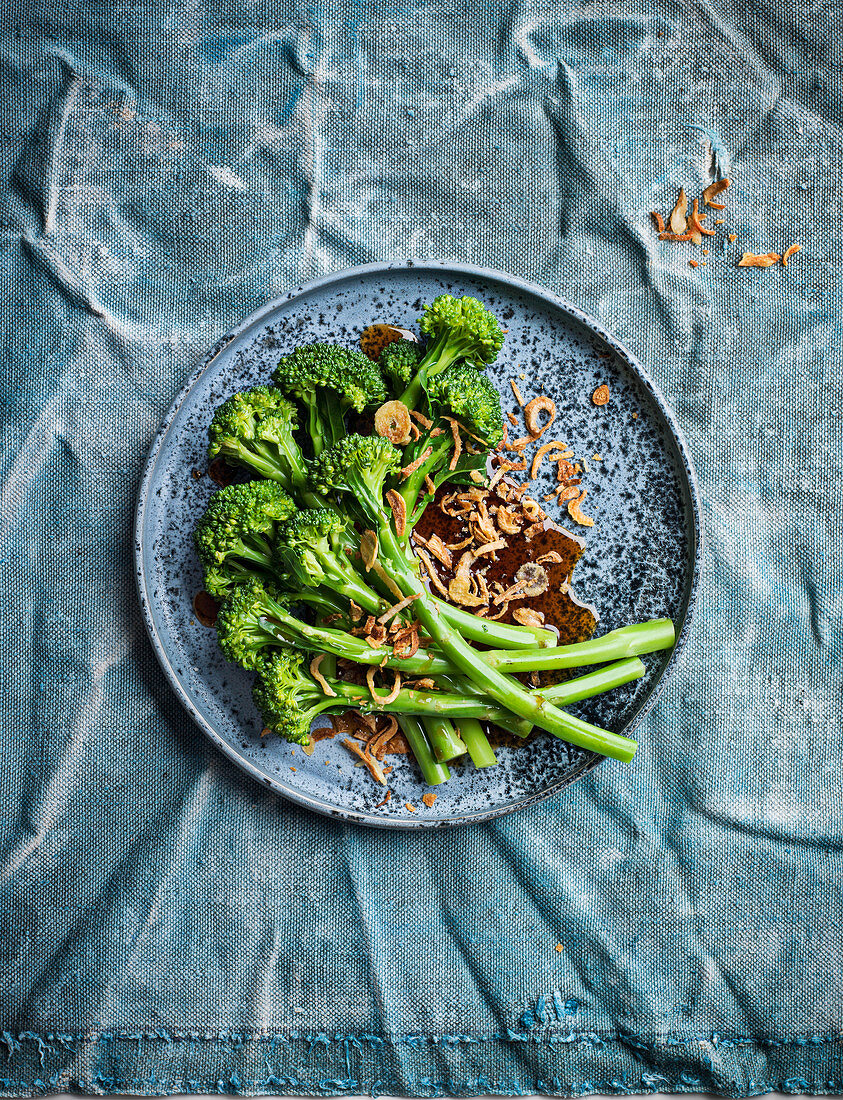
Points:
308	546
235	534
255	429
287	697
328	379
456	328
399	362
359	465
240	631
466	393
460	328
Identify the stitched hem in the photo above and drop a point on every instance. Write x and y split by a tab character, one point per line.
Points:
156	1063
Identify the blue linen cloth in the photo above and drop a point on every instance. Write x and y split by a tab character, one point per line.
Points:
166	925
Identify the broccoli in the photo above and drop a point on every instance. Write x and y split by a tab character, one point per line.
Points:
467	394
255	429
328	379
236	532
289	698
456	328
310	550
359	465
399	362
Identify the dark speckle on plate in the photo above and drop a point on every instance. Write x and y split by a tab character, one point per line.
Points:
640	559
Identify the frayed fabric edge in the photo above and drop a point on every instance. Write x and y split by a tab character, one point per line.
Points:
158	1063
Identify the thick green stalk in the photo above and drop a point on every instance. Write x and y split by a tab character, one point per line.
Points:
496	684
627	641
481	752
595	683
433	772
421	703
443	738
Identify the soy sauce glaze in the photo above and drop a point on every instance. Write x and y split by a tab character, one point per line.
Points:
374	338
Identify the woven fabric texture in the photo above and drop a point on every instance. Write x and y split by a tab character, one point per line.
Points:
165	925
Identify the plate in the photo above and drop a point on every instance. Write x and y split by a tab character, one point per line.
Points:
640	559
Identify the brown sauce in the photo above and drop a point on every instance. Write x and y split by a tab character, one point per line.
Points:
574	620
374	338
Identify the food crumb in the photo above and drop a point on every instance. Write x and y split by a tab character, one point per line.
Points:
266	731
196	474
733	236
705	252
719	221
558	947
410	807
703	263
635	416
693	263
384	800
522	376
788	252
597	458
428	798
601	395
327	761
292	769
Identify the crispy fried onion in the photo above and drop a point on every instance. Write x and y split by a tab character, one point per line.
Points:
459	589
432	574
382	700
319	678
455	432
552	557
526	616
788	252
399	511
555	444
749	259
375	770
508	520
425	423
397	608
420	461
355	612
368	549
436	547
392	422
696	223
516	392
489	548
576	513
658	220
713	189
405	644
533	410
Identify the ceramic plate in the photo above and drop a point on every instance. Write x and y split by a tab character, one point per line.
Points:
640	559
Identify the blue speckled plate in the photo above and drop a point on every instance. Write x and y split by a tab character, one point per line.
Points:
640	560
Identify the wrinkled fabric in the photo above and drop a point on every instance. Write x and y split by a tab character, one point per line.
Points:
165	924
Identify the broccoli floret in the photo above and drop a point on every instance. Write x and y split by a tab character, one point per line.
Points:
255	429
467	394
288	698
309	545
236	533
399	362
240	631
459	328
358	465
456	328
328	379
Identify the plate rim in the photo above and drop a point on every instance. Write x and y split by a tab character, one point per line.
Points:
207	362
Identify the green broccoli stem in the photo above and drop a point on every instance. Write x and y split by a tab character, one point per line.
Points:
640	638
443	738
476	742
593	683
494	683
432	771
438	357
437	704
